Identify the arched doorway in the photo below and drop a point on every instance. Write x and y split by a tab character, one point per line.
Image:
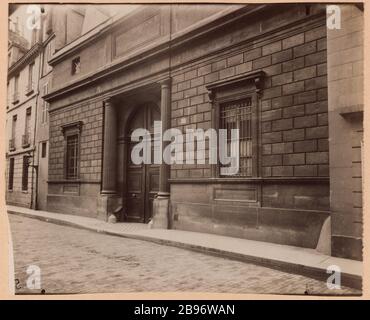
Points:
142	180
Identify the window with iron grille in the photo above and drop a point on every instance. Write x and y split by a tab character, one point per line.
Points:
72	157
238	115
235	103
25	173
11	174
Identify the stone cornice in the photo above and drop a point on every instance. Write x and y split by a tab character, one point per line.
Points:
163	45
29	56
112	23
77	125
255	76
157	48
89	37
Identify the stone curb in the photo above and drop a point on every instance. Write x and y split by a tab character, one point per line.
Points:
347	279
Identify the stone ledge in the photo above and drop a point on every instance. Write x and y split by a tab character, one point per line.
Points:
255	180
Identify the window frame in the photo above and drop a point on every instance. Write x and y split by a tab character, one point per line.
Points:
25	168
254	130
74	70
254	124
30	84
232	90
15	98
14	125
45	105
72	129
16	84
11	174
27	124
44	147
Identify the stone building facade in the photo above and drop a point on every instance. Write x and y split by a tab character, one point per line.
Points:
260	68
23	73
346	106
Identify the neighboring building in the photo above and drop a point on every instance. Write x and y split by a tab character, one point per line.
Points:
29	78
42	121
260	68
346	107
23	74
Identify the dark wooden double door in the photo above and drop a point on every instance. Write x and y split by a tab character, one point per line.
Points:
143	179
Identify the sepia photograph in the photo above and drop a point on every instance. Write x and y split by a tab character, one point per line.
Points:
198	148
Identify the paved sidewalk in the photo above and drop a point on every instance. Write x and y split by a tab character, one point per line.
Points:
298	260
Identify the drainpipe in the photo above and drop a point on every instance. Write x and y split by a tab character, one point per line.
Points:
33	205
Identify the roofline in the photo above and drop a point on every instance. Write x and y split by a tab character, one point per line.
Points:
29	55
91	35
159	47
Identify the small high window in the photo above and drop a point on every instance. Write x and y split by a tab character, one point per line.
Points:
76	66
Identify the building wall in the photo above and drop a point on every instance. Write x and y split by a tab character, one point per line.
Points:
17	196
293	130
42	132
346	94
122	42
294	119
290	200
80	197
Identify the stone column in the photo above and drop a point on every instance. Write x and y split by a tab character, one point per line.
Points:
164	171
110	149
161	203
110	202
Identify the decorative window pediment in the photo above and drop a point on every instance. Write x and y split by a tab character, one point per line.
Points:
72	128
252	81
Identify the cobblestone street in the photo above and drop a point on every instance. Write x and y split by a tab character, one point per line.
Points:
79	261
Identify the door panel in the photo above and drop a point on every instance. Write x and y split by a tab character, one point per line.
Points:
142	180
152	185
135	194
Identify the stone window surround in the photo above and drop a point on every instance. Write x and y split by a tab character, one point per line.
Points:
69	129
248	86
